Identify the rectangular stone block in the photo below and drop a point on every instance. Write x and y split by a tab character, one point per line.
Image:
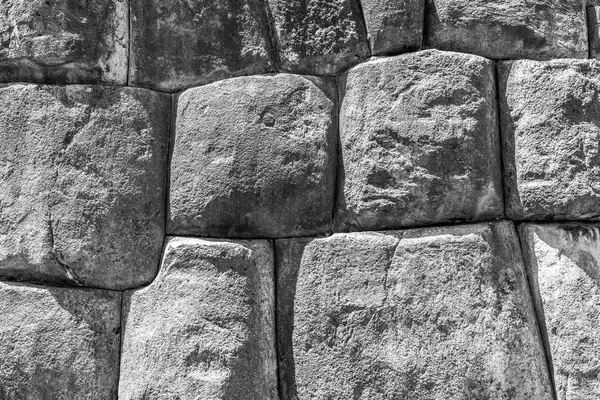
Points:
82	184
179	44
436	313
254	157
204	329
58	343
513	29
551	138
563	263
419	142
64	41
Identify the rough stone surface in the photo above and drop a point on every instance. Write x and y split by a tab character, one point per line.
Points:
82	177
64	41
394	26
502	29
205	328
58	343
551	126
420	142
254	157
563	261
321	37
178	44
440	313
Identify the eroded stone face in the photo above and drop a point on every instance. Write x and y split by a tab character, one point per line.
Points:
58	343
551	127
254	157
502	29
204	329
563	261
320	37
179	44
419	144
82	177
419	314
64	41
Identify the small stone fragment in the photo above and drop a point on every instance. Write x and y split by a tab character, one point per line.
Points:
551	146
179	44
82	184
58	343
508	29
204	329
64	41
254	157
419	142
321	37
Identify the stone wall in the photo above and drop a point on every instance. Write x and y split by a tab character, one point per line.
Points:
299	199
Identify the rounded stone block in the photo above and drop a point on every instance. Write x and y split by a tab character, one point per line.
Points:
254	157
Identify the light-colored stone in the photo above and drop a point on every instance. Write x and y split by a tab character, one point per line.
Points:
179	44
204	329
563	261
58	343
508	29
254	157
437	313
64	41
321	37
551	138
82	177
419	142
394	25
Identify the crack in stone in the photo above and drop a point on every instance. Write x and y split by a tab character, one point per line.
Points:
387	272
71	275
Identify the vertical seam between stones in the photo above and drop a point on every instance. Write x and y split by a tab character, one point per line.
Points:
129	35
361	11
272	32
338	155
121	336
170	149
424	22
500	137
588	28
276	319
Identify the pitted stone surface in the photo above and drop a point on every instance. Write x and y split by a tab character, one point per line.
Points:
440	313
82	176
64	41
254	157
204	329
179	44
502	29
563	261
551	137
58	343
321	37
394	26
419	142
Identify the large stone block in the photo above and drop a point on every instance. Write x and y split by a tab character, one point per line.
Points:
179	44
551	145
204	329
318	37
394	26
82	177
438	313
64	41
502	29
419	142
58	343
254	157
563	262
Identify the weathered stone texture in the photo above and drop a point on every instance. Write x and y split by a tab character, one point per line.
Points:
82	177
254	157
64	41
507	29
563	262
419	142
439	313
321	37
394	25
204	329
551	127
58	343
178	44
